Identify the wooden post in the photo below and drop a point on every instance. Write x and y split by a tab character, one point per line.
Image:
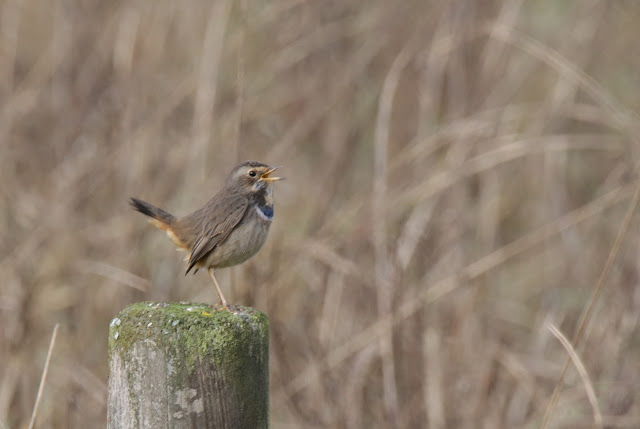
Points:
188	366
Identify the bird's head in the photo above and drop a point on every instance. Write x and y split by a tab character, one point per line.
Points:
252	177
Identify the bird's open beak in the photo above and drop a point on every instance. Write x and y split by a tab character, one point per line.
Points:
266	175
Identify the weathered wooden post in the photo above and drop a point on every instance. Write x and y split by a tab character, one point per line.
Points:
188	366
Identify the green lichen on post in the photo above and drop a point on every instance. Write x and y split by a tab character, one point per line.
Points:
207	366
219	332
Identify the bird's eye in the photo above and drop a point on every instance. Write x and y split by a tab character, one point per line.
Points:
252	173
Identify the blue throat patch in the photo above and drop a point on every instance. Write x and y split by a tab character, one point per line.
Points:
267	211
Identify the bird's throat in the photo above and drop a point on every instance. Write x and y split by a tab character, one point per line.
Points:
265	212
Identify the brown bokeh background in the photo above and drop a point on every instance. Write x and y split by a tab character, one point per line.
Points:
457	174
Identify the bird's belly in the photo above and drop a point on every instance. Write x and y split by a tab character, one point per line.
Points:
243	242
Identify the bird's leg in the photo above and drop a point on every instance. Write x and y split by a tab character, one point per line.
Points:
215	282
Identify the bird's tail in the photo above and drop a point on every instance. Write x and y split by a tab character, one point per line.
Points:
162	220
159	217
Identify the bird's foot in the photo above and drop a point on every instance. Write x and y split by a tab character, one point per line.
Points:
224	307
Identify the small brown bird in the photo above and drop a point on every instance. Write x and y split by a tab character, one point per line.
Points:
230	228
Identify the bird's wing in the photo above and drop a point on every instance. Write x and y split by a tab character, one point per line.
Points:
218	229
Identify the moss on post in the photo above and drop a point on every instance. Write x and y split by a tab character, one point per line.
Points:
188	365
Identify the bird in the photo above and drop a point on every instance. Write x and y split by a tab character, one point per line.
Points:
229	229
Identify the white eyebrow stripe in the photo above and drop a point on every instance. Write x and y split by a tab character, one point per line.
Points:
263	216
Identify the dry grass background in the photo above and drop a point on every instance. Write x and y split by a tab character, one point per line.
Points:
457	174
